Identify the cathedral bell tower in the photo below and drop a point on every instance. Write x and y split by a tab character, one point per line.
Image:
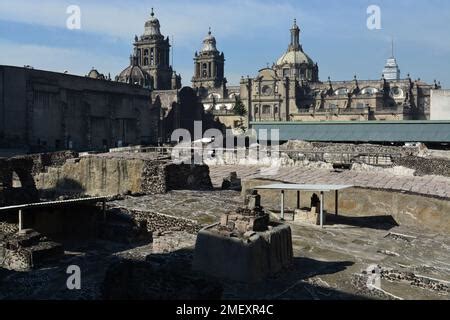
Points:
153	53
209	65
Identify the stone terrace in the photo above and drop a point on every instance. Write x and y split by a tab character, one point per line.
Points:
436	186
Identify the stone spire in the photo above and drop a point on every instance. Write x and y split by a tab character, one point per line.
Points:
295	37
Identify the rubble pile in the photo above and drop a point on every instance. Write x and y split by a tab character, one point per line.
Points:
28	249
425	166
244	222
415	280
353	148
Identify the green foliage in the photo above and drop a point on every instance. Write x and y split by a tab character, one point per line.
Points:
239	108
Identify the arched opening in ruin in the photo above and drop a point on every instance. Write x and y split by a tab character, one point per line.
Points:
16	182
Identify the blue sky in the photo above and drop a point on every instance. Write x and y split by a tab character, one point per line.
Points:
251	33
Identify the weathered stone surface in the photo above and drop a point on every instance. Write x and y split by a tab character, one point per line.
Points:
122	173
243	259
161	277
325	261
324	147
26	191
22	252
158	222
232	182
435	186
122	227
311	216
407	209
425	166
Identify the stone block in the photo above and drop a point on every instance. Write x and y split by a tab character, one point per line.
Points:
246	260
254	202
242	226
312	216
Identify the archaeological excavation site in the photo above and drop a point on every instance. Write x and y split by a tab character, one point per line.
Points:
224	159
329	221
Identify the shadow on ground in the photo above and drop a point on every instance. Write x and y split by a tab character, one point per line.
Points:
300	282
371	222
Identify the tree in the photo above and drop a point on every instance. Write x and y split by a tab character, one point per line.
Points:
239	108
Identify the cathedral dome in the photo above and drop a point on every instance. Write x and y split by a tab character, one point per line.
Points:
209	43
94	74
295	57
135	75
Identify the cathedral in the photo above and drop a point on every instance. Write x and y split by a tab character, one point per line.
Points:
150	62
291	90
42	110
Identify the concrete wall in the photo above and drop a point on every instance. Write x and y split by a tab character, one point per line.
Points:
440	105
43	111
406	209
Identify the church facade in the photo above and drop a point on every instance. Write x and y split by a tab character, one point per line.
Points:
291	90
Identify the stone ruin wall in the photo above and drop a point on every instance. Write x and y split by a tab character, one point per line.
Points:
160	223
109	175
93	176
51	175
25	169
424	166
10	195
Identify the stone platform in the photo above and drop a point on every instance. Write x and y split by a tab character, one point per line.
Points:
433	186
245	246
249	259
27	250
